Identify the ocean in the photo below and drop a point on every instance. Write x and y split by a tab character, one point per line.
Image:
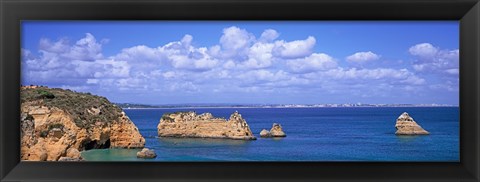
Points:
313	134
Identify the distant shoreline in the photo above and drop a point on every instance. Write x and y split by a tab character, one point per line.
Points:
260	107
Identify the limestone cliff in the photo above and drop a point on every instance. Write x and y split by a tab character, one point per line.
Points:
189	124
57	123
407	126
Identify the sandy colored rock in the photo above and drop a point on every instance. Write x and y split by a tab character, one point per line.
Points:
36	152
265	133
146	153
189	124
73	153
49	132
407	126
124	134
277	131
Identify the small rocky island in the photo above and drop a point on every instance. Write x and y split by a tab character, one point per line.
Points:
407	126
57	124
146	153
189	124
275	131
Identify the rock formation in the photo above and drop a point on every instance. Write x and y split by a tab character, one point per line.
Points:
146	153
189	124
275	131
58	124
264	133
407	126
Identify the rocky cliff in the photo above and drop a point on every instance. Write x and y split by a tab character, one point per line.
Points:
189	124
57	123
407	126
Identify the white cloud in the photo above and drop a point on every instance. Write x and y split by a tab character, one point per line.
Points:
85	49
239	63
61	46
92	81
234	43
436	60
294	49
453	71
262	76
229	64
314	62
140	53
259	56
362	57
269	35
372	76
426	50
197	60
184	87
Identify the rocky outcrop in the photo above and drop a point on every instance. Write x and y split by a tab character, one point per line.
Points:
407	126
265	133
275	131
189	124
58	123
146	153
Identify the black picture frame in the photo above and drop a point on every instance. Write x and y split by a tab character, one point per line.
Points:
12	12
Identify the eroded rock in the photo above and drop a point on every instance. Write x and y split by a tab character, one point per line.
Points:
189	124
275	131
405	125
57	126
146	153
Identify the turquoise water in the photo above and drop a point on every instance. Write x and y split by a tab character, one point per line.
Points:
313	134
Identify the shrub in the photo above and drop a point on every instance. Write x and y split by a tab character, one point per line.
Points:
29	117
57	125
74	103
45	94
44	133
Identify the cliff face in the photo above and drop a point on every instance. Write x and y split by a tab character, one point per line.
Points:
189	124
58	123
407	126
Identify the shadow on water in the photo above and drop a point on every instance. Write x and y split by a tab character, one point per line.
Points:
272	138
408	138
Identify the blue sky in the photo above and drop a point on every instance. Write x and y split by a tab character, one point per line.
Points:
276	62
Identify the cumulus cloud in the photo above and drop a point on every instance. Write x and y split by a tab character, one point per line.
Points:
435	60
140	53
423	50
259	56
240	62
362	57
314	62
234	43
372	75
269	35
294	49
64	64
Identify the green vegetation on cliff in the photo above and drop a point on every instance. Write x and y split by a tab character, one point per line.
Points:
85	108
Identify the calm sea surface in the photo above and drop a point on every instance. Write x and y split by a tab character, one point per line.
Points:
313	134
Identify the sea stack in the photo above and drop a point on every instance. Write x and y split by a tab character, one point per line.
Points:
146	153
265	133
57	124
275	131
407	126
190	125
